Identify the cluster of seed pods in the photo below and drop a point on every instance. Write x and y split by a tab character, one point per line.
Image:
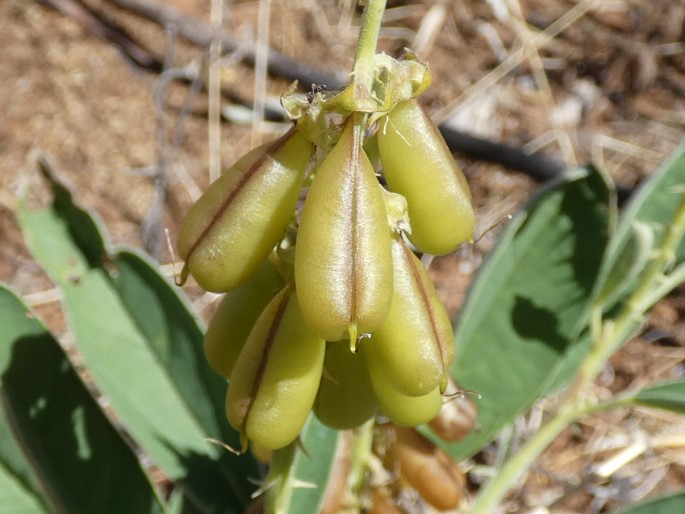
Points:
351	325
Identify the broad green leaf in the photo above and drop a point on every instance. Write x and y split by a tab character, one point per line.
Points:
316	466
172	332
520	326
667	504
144	352
15	497
55	439
668	396
653	205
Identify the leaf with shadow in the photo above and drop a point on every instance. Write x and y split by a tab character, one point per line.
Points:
520	332
141	345
70	452
85	230
536	323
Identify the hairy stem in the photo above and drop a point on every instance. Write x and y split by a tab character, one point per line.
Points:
280	480
360	453
366	47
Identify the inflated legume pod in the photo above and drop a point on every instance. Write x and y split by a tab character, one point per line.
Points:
345	399
343	266
276	377
418	165
236	315
435	476
403	410
243	214
414	345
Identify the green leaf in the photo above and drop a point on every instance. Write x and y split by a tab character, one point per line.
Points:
316	466
653	206
14	496
165	319
143	349
667	396
667	504
632	257
55	439
519	330
172	333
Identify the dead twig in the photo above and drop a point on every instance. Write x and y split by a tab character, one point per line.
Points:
200	34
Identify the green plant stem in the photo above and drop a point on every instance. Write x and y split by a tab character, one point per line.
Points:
366	47
514	467
280	480
360	453
607	337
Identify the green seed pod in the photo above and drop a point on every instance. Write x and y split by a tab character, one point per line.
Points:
345	399
418	165
243	214
276	377
343	266
236	315
414	345
403	410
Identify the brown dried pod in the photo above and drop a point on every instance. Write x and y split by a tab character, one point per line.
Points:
458	415
428	470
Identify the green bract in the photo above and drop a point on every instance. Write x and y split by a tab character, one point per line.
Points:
418	165
243	214
343	265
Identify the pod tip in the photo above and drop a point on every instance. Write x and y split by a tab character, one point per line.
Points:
352	330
